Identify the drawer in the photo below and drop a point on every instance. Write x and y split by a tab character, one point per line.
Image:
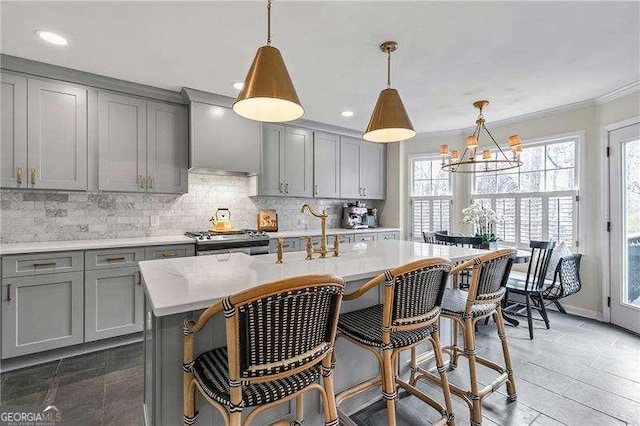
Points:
38	264
364	237
392	235
113	258
169	252
290	244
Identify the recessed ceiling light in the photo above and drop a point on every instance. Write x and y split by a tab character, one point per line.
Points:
238	85
347	113
52	38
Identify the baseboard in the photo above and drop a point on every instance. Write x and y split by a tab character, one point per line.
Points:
578	311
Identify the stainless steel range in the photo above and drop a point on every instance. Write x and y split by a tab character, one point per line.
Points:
243	241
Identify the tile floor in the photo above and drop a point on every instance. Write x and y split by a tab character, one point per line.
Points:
581	372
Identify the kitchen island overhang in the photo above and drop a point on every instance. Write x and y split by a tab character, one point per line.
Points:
176	289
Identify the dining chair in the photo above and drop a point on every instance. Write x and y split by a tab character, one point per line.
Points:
280	337
430	237
531	284
408	316
465	308
458	240
566	281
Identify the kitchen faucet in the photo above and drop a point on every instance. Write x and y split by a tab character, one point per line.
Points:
323	224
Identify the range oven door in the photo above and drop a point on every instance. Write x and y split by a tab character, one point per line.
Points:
251	251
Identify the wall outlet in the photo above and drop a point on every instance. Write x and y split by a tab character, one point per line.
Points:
154	221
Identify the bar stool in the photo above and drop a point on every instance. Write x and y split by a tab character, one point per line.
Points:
487	288
280	337
408	317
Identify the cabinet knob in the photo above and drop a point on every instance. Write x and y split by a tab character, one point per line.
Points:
32	172
19	173
141	180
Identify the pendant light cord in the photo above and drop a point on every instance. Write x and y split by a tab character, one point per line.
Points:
268	22
388	68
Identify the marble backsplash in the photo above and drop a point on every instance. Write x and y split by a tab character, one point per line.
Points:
27	216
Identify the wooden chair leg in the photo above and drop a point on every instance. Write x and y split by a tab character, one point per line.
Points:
437	351
529	317
389	392
511	384
300	409
470	352
453	362
331	411
414	367
560	307
235	418
543	311
189	415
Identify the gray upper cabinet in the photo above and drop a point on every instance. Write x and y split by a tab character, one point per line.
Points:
372	170
350	168
272	176
298	162
362	169
326	165
167	147
57	135
41	312
221	140
13	153
122	131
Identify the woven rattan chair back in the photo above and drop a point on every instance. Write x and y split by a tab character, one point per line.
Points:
284	330
540	256
567	275
489	277
413	293
458	240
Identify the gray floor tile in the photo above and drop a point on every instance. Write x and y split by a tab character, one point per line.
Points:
606	402
124	357
543	420
123	396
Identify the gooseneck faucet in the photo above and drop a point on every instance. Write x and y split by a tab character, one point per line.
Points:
323	223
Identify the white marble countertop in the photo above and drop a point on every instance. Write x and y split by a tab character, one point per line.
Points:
51	246
331	231
174	286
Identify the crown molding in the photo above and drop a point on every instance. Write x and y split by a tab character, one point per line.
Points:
619	93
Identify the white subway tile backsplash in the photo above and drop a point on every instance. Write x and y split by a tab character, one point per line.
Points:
27	216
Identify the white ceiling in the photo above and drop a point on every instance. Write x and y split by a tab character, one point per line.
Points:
523	56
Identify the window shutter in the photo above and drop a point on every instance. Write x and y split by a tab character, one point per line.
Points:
421	216
561	219
506	227
441	215
530	219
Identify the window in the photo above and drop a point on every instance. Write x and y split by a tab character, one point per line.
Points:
539	200
430	196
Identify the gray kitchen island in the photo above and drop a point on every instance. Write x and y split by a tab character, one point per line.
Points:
179	288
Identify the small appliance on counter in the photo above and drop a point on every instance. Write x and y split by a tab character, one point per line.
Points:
354	216
372	218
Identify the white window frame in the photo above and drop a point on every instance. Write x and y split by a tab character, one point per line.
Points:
579	174
429	198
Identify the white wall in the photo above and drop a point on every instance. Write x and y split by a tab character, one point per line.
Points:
589	120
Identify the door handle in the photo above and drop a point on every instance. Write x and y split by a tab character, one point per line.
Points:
141	179
32	171
42	265
169	254
115	259
19	173
9	292
150	180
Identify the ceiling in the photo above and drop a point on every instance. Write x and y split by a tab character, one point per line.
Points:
523	56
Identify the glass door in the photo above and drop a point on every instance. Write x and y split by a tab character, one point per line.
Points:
624	171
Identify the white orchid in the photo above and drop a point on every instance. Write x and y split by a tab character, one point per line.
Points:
482	218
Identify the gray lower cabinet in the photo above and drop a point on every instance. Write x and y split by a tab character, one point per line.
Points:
13	145
113	303
41	313
122	132
393	235
326	165
170	252
167	147
364	237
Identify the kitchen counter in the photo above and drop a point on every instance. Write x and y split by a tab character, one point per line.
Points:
52	246
176	289
187	284
331	231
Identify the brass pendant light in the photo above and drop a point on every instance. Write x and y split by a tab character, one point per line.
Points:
389	121
268	93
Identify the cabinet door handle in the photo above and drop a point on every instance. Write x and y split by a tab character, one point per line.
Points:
42	265
281	188
150	180
19	173
115	259
316	190
364	191
360	191
9	292
286	188
141	179
139	280
169	254
32	171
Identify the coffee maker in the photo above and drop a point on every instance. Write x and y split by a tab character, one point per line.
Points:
354	216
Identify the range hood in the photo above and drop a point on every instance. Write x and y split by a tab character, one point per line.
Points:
220	141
